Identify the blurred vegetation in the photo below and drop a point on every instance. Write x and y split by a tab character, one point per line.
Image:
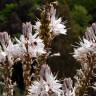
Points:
5	13
77	15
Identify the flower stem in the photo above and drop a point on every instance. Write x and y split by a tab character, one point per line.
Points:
85	82
26	70
8	91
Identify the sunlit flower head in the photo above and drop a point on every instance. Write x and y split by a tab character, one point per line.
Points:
84	48
2	57
54	84
17	51
37	26
6	56
48	83
68	87
27	29
56	25
38	88
88	44
34	43
5	50
90	33
45	69
5	39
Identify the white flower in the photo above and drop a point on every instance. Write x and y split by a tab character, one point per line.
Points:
5	55
35	44
38	88
45	69
54	84
37	26
56	26
27	29
68	87
47	83
85	47
51	80
90	33
2	57
6	46
17	51
4	38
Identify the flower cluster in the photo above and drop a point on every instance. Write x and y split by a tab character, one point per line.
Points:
31	45
85	54
47	85
68	87
56	26
6	61
35	45
47	28
85	47
5	48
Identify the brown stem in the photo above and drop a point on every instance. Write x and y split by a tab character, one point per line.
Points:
8	86
26	70
88	74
